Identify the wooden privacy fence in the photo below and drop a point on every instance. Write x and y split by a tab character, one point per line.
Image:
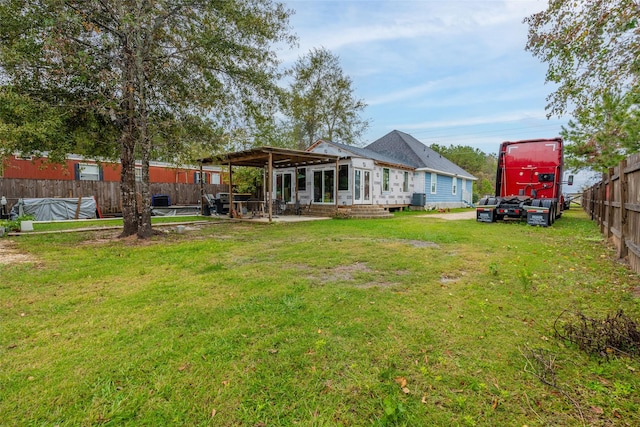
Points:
107	194
614	203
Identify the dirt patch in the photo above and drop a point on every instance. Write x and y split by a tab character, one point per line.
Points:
344	272
453	216
10	255
422	244
347	273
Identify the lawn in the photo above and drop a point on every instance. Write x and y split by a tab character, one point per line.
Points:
403	321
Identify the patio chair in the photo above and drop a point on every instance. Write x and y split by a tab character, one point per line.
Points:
302	208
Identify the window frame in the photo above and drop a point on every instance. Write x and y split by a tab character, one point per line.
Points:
82	175
321	179
343	178
434	183
386	180
301	179
197	177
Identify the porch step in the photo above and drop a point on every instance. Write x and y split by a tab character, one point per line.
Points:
358	211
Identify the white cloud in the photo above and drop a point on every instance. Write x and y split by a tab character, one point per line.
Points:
476	121
460	63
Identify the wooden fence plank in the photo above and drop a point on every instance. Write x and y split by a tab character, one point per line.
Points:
107	194
614	203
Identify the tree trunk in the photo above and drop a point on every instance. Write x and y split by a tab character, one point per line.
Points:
128	159
144	224
128	187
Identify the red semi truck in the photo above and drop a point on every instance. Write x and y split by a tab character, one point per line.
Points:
528	183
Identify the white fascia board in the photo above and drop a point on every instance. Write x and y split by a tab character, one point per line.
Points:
457	175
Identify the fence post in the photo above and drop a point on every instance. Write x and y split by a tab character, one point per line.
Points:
624	224
609	202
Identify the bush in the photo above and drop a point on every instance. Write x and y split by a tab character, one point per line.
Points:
14	225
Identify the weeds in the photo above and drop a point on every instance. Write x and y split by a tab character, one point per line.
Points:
541	363
615	334
14	225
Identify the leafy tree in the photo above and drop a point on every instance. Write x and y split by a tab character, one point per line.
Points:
592	49
321	104
476	162
148	70
603	136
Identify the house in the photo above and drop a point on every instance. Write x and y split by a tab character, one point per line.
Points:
367	177
78	168
396	171
443	183
331	178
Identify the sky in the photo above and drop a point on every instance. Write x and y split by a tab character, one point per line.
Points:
444	71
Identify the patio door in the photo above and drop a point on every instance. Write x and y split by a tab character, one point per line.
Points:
324	186
361	187
284	187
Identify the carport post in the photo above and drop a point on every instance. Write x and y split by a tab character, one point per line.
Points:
231	206
270	185
335	184
201	190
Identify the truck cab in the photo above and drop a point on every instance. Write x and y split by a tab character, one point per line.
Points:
528	183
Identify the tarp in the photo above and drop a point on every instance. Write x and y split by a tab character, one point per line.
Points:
176	211
55	209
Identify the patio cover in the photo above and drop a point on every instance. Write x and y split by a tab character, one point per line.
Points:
270	157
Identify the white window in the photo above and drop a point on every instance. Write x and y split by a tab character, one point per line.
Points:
88	172
215	178
454	186
385	179
138	174
405	182
198	178
434	183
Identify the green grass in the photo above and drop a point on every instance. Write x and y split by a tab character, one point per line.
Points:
407	321
112	222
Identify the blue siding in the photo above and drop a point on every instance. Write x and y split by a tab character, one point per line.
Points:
469	190
443	190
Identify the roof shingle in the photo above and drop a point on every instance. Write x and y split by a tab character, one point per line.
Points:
407	150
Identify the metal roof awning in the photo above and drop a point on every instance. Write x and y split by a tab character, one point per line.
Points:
280	158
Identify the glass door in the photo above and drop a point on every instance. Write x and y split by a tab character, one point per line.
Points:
324	186
361	187
283	186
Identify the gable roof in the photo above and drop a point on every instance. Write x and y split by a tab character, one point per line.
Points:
408	150
362	152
